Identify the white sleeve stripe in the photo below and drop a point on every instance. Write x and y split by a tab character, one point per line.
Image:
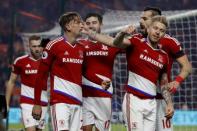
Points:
19	58
48	47
172	38
51	42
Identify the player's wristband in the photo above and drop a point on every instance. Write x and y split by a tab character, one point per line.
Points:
173	90
179	79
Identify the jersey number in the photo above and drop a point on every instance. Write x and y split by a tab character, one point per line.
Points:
107	123
166	123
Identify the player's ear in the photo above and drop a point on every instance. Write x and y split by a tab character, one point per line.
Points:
68	26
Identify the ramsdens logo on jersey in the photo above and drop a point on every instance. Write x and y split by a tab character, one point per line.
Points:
31	71
97	53
72	60
150	60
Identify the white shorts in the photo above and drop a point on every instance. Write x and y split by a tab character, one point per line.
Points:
139	114
162	124
97	111
28	119
66	117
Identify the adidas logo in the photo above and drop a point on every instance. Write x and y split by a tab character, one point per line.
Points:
146	51
66	53
28	65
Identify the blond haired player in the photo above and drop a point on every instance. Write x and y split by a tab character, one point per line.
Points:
147	64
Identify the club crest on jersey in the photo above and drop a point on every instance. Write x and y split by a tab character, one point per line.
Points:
81	54
104	47
134	125
160	59
44	55
61	123
87	47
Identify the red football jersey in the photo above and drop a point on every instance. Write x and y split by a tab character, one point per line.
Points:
145	65
27	68
98	66
64	62
173	48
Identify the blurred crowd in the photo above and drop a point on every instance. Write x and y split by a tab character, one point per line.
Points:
18	16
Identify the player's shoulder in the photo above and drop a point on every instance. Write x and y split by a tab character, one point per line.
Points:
167	39
20	59
54	42
83	41
138	36
86	41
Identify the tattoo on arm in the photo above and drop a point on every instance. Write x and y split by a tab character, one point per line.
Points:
119	39
103	38
166	94
164	90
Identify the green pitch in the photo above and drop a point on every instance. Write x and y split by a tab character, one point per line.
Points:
119	127
115	127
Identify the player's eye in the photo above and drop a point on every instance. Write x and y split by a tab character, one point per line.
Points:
87	23
94	22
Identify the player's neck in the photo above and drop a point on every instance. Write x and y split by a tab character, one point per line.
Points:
70	38
152	44
35	57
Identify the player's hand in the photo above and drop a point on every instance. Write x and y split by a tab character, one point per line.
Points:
86	31
169	110
106	84
173	86
37	112
129	30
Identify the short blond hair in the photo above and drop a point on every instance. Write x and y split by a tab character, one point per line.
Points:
34	37
161	19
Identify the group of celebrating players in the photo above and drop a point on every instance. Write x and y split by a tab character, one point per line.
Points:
81	69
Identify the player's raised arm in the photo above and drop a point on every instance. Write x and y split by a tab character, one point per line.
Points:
118	41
